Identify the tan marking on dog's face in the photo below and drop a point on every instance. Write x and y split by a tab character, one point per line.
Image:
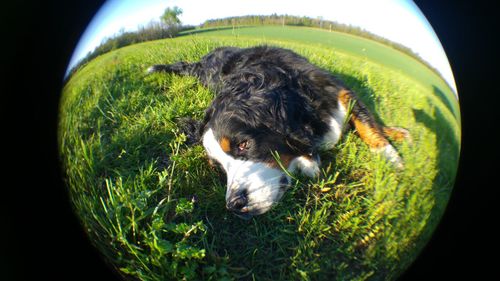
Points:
225	144
261	184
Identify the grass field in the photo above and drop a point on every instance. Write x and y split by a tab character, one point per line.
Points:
156	209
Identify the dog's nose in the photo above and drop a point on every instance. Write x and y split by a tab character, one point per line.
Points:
237	203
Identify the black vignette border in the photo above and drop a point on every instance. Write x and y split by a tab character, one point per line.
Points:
43	237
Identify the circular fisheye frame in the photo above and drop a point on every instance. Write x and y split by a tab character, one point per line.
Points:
259	140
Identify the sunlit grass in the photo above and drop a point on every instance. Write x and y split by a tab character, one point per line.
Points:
156	209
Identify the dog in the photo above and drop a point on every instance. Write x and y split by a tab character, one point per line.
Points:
273	109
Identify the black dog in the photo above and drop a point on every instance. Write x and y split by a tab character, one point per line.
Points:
272	100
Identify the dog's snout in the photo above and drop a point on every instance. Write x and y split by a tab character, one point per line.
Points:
237	203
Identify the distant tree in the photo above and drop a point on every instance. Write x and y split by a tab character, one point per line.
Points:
171	16
320	19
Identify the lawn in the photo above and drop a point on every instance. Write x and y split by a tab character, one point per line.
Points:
156	209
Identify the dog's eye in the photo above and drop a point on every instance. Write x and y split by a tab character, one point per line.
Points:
243	146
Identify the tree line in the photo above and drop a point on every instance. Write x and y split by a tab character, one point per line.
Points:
153	31
170	26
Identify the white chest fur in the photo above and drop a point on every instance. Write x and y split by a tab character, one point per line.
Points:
337	123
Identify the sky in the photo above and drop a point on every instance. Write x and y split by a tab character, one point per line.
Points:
397	20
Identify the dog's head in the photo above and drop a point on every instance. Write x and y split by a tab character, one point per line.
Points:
244	131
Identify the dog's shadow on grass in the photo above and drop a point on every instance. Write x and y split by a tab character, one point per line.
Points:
447	144
442	97
448	152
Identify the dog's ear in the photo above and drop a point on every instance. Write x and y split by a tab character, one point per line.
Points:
296	123
209	112
191	128
301	141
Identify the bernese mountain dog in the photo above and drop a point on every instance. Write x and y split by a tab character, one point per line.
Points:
273	109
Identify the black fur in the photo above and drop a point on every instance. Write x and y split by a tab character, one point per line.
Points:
272	98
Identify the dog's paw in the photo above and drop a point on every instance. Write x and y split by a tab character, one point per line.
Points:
306	165
390	153
398	134
191	128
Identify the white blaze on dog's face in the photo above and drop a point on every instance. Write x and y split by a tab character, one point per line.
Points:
253	187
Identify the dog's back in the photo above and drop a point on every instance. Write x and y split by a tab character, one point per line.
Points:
245	74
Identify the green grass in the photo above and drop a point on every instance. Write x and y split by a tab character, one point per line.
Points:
156	209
